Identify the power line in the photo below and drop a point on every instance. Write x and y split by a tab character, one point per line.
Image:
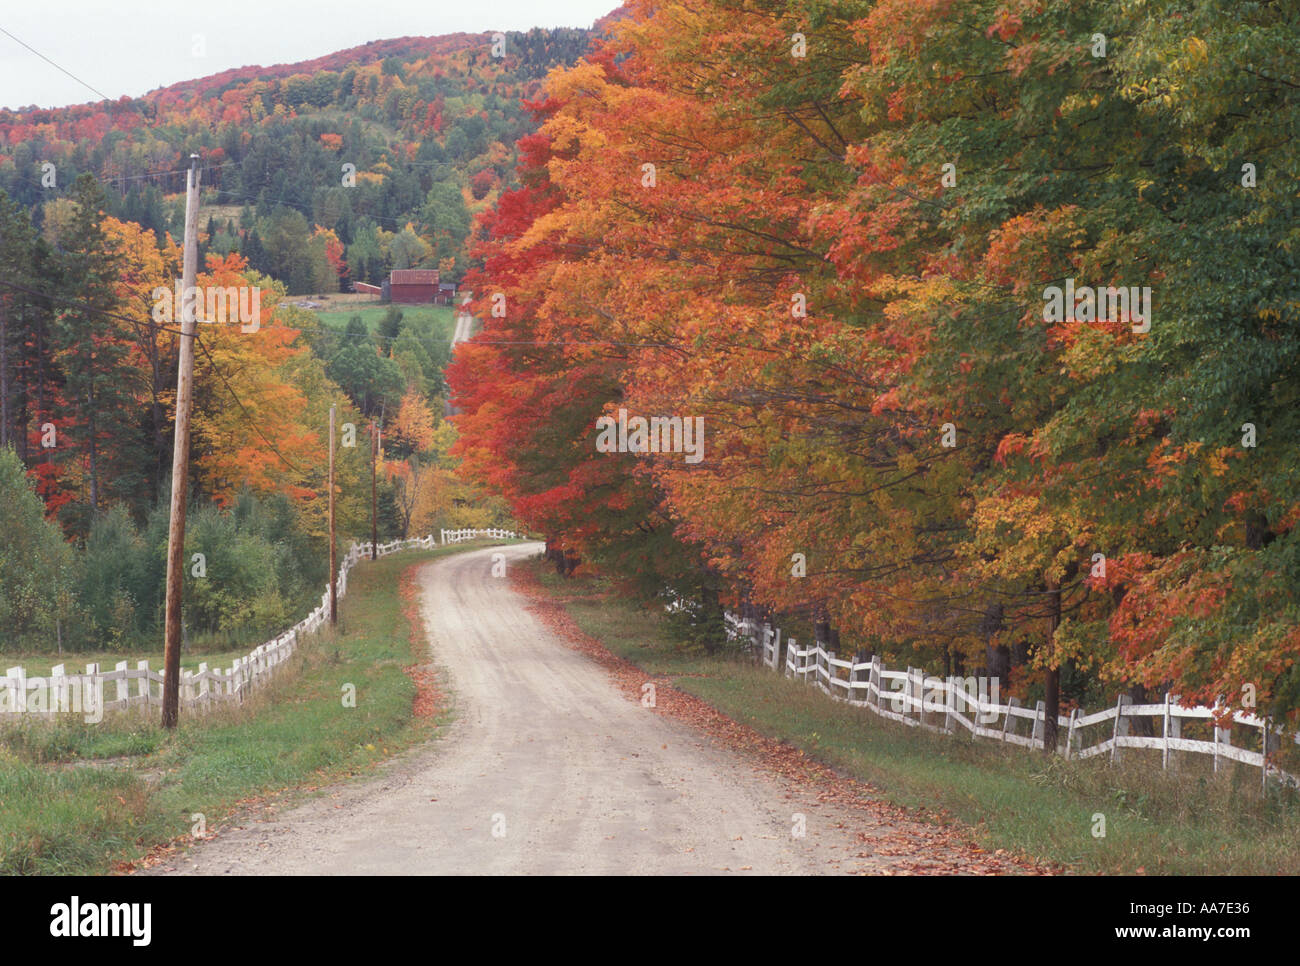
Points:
158	174
114	179
198	341
93	308
240	403
93	90
310	209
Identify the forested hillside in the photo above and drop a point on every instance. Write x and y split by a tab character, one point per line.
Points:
428	126
878	248
314	175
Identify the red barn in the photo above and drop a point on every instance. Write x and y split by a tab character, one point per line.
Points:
413	286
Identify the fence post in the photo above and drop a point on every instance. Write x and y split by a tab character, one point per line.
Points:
1121	725
204	683
1006	721
873	680
1040	721
1173	729
1263	750
1222	736
1268	743
123	689
95	686
829	656
950	705
143	690
916	678
1070	734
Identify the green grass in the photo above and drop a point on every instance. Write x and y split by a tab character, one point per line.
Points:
442	318
78	798
1178	822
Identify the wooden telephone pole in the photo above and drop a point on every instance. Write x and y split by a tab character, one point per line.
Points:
374	502
334	589
181	454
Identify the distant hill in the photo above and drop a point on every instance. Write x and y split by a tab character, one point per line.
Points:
425	127
403	48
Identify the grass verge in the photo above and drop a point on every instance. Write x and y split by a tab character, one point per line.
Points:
1184	822
77	798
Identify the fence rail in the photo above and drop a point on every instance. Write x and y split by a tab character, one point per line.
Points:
460	536
98	690
914	698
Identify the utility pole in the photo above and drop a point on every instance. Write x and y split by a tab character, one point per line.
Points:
334	588
181	453
374	502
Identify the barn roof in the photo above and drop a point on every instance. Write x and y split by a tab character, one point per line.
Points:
415	276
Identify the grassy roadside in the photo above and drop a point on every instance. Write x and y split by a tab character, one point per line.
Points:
80	798
1178	823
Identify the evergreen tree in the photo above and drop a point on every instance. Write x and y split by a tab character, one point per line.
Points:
93	347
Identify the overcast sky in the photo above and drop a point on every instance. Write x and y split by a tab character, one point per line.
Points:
133	46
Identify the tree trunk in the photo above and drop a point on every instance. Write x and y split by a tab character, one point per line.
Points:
94	461
40	376
997	658
1140	726
822	632
4	375
1052	676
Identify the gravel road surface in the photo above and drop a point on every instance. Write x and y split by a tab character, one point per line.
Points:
546	769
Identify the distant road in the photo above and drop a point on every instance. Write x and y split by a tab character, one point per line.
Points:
464	325
464	331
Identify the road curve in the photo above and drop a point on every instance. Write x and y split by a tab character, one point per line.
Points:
546	769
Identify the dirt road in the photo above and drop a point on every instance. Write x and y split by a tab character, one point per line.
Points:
546	769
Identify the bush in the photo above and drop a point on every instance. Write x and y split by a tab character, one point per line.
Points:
119	588
35	563
260	573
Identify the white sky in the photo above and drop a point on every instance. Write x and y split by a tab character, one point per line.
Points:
134	46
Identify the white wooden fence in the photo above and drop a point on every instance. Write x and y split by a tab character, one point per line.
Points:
460	536
141	686
913	698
